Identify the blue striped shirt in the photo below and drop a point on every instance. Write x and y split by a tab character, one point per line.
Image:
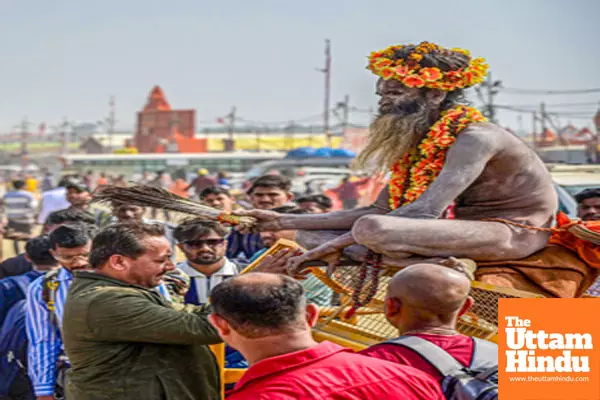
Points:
45	341
162	289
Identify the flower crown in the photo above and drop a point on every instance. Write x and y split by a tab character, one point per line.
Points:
386	64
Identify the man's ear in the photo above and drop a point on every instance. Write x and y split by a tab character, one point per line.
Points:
312	314
119	262
392	307
220	325
435	96
290	196
466	306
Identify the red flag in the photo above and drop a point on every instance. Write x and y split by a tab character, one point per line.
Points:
220	120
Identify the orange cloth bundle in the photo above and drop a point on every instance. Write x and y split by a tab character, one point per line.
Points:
554	271
588	251
566	267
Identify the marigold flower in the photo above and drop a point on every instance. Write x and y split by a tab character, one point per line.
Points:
446	141
421	181
468	77
462	51
402	70
384	62
453	75
428	146
410	197
386	73
430	74
437	133
435	85
413	81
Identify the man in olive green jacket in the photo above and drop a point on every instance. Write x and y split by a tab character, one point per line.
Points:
124	340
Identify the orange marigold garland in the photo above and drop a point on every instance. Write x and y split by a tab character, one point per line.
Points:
412	175
409	71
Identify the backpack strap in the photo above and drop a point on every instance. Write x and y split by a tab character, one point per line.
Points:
439	358
49	288
485	355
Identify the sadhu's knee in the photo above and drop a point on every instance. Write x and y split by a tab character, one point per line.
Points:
369	230
513	246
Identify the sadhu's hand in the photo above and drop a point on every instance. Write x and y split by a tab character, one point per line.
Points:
276	263
267	221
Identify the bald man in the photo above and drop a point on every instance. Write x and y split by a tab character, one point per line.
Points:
266	317
426	300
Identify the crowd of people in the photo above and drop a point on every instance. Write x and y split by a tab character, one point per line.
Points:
98	306
57	322
98	296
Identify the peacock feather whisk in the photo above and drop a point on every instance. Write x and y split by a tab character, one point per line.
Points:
159	198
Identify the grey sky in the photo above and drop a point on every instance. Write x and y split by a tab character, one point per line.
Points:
66	57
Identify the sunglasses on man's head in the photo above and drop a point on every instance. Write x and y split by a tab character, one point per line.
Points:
202	242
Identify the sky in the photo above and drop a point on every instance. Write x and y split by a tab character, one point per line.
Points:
65	58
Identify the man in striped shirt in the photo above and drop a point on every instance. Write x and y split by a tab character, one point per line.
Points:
71	245
13	314
20	207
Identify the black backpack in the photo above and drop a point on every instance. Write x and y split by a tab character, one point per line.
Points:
479	381
13	337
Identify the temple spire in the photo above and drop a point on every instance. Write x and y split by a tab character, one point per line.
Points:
157	101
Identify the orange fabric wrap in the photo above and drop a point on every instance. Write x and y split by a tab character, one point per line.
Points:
587	251
554	271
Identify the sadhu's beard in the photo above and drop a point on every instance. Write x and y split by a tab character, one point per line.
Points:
391	136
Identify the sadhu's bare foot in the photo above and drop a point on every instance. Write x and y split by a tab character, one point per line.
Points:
356	253
296	266
462	265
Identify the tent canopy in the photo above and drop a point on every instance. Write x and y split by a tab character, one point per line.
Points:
304	152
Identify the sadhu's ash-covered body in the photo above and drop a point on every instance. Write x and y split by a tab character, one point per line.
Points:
439	152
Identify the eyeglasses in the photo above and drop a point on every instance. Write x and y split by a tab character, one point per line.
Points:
199	243
71	257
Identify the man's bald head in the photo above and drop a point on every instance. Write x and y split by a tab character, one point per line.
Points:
259	304
430	291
